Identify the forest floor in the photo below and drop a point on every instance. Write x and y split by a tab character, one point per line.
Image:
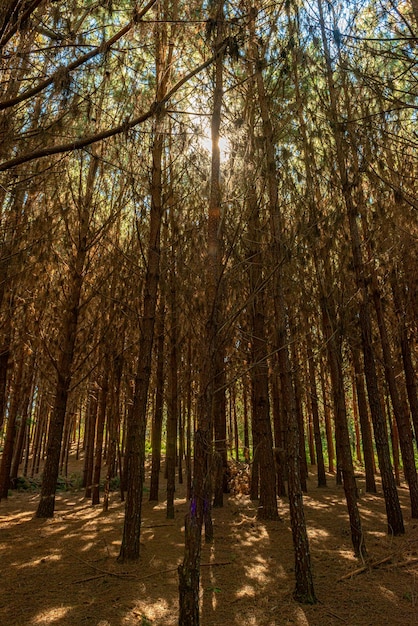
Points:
63	571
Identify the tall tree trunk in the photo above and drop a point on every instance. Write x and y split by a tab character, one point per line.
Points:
113	423
400	409
356	418
327	418
157	422
344	457
405	343
220	484
246	450
313	394
9	444
26	398
267	507
299	410
393	509
101	420
200	503
366	431
304	589
172	404
64	365
136	421
89	439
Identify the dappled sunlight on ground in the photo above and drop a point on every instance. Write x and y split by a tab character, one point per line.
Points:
47	560
67	566
52	616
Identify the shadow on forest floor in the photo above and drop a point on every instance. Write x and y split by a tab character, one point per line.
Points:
64	571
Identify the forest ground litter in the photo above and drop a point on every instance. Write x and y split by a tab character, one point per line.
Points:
63	571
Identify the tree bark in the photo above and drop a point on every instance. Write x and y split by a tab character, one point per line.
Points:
393	509
313	394
157	422
400	409
101	420
172	404
366	431
200	503
68	336
304	589
344	456
405	344
136	419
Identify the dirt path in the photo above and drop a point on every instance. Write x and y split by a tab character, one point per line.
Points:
64	571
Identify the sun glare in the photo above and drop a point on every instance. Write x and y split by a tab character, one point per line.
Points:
224	147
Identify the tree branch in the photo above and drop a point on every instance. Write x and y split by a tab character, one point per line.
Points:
104	47
117	130
25	15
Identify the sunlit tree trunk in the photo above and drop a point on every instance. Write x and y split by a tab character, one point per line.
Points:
200	503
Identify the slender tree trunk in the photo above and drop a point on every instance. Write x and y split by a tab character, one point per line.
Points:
322	480
356	418
26	400
136	422
172	404
89	439
327	418
400	409
246	450
136	419
267	507
344	457
299	412
9	444
4	364
113	425
393	509
405	343
189	421
220	485
304	589
38	430
157	422
101	420
64	371
200	504
366	431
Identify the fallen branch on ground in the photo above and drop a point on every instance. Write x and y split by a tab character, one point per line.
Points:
365	568
132	576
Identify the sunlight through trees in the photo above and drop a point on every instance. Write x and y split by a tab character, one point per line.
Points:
208	256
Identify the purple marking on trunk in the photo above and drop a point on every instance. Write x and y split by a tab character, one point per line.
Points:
193	507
